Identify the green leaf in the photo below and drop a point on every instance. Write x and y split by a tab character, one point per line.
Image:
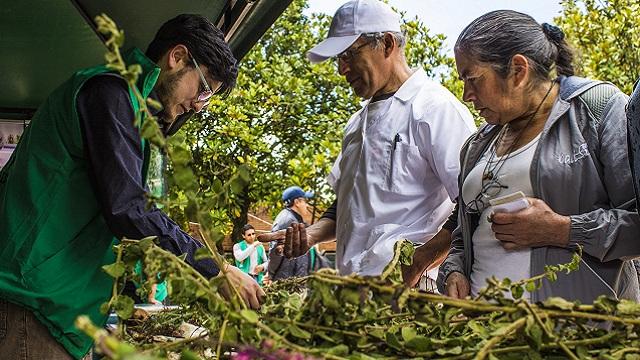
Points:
501	329
123	306
530	286
392	340
419	343
104	308
559	303
146	243
338	350
180	155
627	307
299	333
605	304
237	185
114	270
408	333
534	333
250	316
184	178
456	350
478	329
151	131
517	291
154	104
201	254
189	355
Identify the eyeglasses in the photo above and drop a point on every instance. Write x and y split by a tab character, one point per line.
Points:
349	54
205	95
490	189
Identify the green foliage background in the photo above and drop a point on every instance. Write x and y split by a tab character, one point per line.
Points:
606	34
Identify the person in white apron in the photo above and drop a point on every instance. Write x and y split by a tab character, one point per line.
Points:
397	173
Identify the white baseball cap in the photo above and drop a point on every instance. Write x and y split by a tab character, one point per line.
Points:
351	20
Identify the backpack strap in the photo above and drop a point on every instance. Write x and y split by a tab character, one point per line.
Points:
596	98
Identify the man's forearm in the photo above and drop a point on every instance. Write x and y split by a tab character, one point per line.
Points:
322	231
433	253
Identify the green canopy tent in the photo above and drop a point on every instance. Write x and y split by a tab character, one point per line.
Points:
44	41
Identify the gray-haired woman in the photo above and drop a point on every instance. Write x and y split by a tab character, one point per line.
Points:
560	140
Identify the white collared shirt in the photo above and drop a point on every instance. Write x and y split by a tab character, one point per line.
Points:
397	172
252	253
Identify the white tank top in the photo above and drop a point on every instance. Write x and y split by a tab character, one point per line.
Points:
490	258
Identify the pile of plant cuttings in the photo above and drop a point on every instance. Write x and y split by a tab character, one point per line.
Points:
325	315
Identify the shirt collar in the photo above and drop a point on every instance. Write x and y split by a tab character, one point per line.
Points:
296	215
412	85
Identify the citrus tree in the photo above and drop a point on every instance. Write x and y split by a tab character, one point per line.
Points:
606	34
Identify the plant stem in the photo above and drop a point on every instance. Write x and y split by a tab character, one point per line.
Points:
486	349
315	327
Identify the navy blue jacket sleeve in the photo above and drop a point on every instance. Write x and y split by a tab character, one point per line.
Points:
114	151
332	211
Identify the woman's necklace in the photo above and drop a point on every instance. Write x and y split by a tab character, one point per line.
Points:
492	169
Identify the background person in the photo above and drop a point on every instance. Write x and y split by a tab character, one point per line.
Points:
559	140
250	255
296	209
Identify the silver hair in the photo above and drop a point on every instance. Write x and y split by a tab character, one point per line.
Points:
399	37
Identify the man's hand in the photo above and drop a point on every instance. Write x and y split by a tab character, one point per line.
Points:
249	290
278	236
457	286
293	239
534	226
426	257
296	242
259	269
154	301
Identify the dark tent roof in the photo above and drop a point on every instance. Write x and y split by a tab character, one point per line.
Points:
44	41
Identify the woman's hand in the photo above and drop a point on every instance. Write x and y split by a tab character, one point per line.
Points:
457	286
534	226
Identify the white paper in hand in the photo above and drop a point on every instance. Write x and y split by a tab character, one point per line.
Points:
509	203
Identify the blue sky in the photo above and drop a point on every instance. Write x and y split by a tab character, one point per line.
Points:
450	17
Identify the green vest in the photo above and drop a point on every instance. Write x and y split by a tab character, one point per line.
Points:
53	238
245	265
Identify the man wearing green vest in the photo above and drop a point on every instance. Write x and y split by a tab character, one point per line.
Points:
250	255
76	184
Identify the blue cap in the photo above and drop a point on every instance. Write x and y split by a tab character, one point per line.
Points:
294	192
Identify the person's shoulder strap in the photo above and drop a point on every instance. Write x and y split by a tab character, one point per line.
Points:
295	215
596	99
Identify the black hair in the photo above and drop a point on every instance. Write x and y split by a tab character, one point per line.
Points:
247	227
495	37
205	43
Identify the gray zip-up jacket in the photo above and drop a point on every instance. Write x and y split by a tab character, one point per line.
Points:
580	168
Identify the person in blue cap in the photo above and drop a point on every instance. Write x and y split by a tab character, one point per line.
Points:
296	209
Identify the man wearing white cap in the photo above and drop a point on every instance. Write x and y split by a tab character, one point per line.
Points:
397	173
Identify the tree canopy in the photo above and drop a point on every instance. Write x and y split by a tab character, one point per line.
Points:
606	35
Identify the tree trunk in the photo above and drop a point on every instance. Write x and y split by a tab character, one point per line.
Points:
242	220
